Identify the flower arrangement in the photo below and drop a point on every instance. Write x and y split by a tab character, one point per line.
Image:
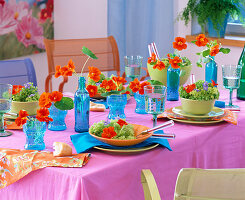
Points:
116	129
212	48
201	90
26	93
23	27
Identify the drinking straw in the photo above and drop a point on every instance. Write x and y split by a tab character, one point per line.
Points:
192	79
149	49
155	48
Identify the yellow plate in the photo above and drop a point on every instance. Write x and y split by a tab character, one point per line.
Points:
195	122
216	112
130	150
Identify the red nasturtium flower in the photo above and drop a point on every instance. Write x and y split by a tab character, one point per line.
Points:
55	96
180	43
108	85
152	59
119	80
174	62
44	100
214	50
22	118
42	115
160	65
213	83
122	122
142	85
92	90
16	89
94	73
190	88
108	132
201	40
127	92
134	85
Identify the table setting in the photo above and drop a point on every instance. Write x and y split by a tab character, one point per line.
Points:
110	125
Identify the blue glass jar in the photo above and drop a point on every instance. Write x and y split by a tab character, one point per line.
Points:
58	116
140	103
117	105
82	105
34	131
173	78
211	69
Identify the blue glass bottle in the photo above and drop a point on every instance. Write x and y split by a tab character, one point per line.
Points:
58	116
34	131
173	77
117	105
211	69
140	103
82	104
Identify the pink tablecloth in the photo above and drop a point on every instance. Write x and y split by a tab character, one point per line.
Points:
109	176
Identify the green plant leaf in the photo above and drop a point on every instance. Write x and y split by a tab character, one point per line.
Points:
199	64
65	103
155	82
89	53
206	53
225	50
194	42
198	54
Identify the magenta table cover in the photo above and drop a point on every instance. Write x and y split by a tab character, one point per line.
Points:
110	176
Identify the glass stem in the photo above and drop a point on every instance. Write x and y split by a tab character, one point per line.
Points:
1	123
230	102
154	120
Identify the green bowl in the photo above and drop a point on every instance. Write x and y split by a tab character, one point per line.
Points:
161	75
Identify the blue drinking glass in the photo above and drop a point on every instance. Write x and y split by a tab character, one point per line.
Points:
140	103
58	116
173	78
117	105
34	131
82	105
211	69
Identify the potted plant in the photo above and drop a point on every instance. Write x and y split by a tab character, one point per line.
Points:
212	13
198	98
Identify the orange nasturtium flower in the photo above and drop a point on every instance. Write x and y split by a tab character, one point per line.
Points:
119	80
142	85
94	73
127	92
122	122
55	96
160	65
180	43
92	90
213	83
16	89
152	58
71	65
22	118
65	71
214	50
58	71
134	85
108	132
190	88
201	40
174	62
108	85
42	115
44	100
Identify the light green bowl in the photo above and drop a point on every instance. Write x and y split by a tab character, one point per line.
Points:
196	107
161	75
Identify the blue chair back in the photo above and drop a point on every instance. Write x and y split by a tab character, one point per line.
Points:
17	72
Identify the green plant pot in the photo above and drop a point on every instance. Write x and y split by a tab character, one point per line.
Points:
30	107
161	75
196	107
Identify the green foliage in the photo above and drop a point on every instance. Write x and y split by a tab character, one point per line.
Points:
89	53
200	93
28	93
155	82
215	10
97	128
126	133
65	103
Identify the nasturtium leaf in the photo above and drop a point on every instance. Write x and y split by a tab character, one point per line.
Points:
65	103
225	50
198	64
193	41
206	53
89	53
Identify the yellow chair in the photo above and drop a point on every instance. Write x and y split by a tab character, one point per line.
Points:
200	184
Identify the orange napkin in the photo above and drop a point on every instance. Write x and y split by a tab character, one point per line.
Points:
11	125
16	163
228	116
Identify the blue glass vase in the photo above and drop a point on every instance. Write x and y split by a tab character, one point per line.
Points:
82	104
173	77
211	69
140	103
34	131
58	116
117	105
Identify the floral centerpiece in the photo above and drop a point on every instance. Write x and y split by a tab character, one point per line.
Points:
198	98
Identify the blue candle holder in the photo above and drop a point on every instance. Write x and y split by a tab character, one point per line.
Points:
211	69
173	78
34	131
58	116
140	103
117	105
